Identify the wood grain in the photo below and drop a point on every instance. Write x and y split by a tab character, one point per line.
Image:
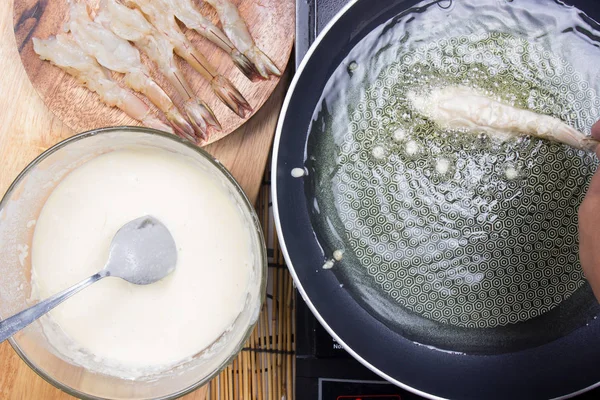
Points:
28	128
271	23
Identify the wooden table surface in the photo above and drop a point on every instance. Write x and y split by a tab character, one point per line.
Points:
27	128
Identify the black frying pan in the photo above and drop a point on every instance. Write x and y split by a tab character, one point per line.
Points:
552	355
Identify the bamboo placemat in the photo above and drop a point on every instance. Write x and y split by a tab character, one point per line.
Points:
264	370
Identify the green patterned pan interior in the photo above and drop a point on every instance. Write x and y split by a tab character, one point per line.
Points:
460	241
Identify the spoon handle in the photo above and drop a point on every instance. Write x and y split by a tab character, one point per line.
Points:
14	324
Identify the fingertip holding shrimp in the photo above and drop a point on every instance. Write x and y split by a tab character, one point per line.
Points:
596	130
591	145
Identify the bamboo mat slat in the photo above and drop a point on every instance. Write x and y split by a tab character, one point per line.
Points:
264	370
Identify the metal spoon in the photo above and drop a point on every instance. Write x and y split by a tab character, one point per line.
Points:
142	252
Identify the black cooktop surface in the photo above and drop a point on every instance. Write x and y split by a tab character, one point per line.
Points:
311	18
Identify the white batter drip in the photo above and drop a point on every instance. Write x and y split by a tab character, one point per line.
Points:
144	327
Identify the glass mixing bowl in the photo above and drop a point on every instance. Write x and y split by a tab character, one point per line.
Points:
20	208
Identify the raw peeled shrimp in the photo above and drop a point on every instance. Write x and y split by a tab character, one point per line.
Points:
119	55
236	29
460	107
129	24
63	52
187	13
159	15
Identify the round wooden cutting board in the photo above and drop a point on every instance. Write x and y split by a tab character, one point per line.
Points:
271	23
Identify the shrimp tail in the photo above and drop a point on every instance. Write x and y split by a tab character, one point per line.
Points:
230	96
222	87
566	134
263	64
143	83
202	118
181	126
242	62
246	66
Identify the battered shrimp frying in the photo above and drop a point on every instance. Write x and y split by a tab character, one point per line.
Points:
119	55
187	13
129	24
63	52
236	29
459	107
159	14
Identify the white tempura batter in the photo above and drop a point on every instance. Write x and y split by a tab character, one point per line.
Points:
144	327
